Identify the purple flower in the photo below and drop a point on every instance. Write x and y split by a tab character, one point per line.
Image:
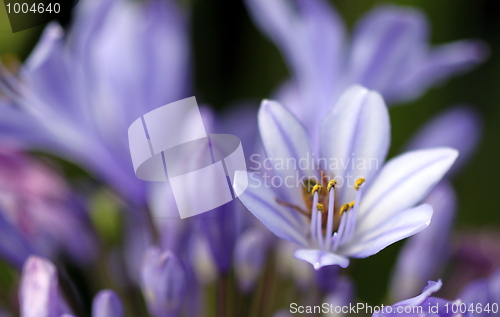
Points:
38	293
483	293
107	304
78	92
250	256
320	202
388	52
164	283
424	305
38	213
425	254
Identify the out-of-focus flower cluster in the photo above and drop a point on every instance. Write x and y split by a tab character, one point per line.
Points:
321	189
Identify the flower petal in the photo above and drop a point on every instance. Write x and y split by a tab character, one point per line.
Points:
423	256
401	226
319	258
309	34
459	128
107	304
38	293
284	222
286	144
403	182
382	42
356	135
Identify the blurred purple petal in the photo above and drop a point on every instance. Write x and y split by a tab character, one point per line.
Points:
107	304
459	127
38	292
250	257
163	283
424	255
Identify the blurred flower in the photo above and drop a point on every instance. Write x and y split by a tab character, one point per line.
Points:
107	304
483	293
78	92
388	52
38	293
301	211
425	254
426	304
163	283
38	213
341	295
251	250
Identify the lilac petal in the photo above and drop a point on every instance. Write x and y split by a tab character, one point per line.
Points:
285	141
398	227
434	66
431	288
250	257
164	283
357	130
284	222
309	36
423	256
483	291
382	42
48	72
342	293
403	182
320	258
14	247
107	304
38	293
459	127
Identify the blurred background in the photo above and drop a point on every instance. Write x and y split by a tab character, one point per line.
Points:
234	62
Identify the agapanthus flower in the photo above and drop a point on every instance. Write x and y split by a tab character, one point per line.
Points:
334	205
388	52
164	283
39	213
424	255
485	294
424	305
39	294
78	92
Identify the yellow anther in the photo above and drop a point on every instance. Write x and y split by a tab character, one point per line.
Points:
358	183
316	188
331	184
320	207
351	204
344	208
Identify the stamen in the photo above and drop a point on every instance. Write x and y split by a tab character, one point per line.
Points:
320	207
351	204
331	184
344	208
358	183
330	218
292	206
316	188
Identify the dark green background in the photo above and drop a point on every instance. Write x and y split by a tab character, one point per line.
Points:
233	61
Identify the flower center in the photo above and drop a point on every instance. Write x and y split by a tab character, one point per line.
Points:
332	223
